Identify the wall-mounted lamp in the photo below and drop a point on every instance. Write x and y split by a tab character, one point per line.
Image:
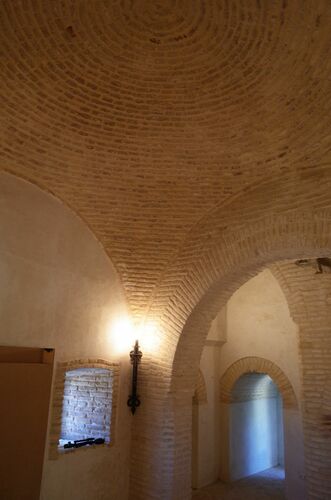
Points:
135	356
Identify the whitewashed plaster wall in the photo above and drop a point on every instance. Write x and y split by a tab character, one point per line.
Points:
60	290
255	322
207	429
259	324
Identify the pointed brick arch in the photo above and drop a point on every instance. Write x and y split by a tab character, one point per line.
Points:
257	365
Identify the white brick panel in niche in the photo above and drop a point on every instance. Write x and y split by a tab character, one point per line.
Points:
84	403
87	404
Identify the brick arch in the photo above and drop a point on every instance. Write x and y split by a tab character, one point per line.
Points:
208	245
200	393
226	250
236	258
219	269
257	365
267	222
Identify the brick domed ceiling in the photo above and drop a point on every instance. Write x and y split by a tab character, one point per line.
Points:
143	116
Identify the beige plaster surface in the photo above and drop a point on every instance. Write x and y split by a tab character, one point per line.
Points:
60	290
259	324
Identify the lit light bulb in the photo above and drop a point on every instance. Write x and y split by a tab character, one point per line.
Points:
148	338
121	335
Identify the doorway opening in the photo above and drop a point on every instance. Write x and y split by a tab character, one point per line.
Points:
256	438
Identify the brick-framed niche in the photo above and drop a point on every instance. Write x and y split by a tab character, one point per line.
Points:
62	369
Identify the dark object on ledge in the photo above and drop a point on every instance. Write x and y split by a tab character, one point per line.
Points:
321	264
83	442
135	355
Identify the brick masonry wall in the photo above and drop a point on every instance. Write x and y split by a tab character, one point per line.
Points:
296	235
233	380
169	129
164	115
81	416
309	301
87	404
253	386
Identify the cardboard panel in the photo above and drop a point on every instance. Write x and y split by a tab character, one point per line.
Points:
24	392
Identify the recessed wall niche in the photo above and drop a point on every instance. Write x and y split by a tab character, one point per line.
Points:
87	404
84	403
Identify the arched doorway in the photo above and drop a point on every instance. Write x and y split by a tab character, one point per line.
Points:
256	441
260	414
265	244
215	263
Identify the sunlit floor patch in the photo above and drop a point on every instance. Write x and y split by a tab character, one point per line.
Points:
265	485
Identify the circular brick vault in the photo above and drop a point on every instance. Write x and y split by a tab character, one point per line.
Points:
193	137
143	116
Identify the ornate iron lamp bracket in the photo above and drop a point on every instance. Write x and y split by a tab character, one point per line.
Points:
135	356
